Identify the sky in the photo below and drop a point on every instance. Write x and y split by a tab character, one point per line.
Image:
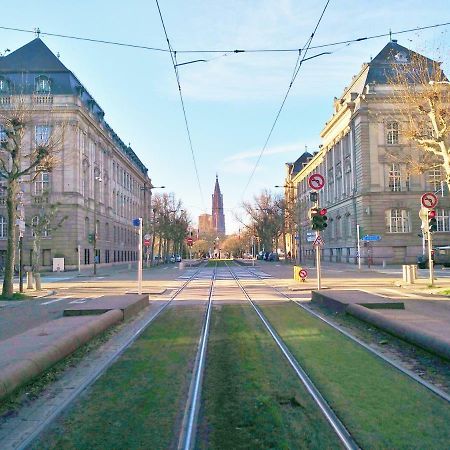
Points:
231	99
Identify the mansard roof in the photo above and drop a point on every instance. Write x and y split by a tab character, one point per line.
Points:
35	59
298	165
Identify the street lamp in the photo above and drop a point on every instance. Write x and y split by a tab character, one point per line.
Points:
94	240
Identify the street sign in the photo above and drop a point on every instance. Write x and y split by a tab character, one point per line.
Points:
147	237
303	273
318	241
429	200
147	242
371	237
136	222
189	241
316	181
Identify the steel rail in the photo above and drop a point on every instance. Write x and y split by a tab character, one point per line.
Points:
338	427
40	427
189	424
439	392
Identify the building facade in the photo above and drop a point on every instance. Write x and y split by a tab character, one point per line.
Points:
218	216
98	183
204	224
364	188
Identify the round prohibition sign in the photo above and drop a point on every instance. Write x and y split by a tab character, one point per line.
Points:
316	181
429	200
303	273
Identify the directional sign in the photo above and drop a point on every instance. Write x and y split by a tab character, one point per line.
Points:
371	237
316	181
136	222
303	273
429	200
318	241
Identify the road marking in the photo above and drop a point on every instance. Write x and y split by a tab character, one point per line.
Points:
80	300
54	300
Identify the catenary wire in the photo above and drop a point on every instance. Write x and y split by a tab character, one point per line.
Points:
173	57
262	50
297	67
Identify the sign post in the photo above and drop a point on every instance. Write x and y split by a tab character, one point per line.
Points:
316	182
138	223
429	201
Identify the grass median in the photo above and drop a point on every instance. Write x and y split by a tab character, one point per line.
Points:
251	398
381	407
139	401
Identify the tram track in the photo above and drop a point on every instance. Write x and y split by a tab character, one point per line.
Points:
335	423
40	426
439	392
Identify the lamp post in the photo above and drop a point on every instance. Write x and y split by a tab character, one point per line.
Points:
94	240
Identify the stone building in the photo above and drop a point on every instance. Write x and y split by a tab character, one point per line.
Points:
99	182
204	224
363	186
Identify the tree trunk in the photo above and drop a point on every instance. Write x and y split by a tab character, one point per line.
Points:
11	241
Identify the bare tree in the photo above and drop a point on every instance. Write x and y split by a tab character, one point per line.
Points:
421	95
17	120
42	226
266	218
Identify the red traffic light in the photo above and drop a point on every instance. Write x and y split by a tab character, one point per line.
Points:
431	214
323	212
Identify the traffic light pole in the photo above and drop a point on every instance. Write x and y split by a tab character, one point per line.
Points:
318	268
430	257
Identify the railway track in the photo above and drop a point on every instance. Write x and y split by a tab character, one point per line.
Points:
336	424
397	366
30	435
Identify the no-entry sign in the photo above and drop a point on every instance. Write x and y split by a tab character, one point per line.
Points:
429	200
189	241
316	181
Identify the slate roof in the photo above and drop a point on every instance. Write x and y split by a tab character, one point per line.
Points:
24	65
298	165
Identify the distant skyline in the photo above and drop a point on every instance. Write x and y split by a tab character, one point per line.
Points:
232	98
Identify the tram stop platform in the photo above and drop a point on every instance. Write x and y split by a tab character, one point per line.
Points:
129	305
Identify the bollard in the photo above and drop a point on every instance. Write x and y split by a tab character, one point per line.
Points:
384	264
405	273
29	280
181	265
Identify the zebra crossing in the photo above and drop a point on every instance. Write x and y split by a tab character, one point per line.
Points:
223	273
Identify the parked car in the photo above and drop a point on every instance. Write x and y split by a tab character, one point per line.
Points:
273	256
177	258
440	256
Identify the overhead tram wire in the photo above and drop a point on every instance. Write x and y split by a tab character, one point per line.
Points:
173	57
297	67
262	50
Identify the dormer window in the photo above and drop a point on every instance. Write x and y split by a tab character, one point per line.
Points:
4	86
42	85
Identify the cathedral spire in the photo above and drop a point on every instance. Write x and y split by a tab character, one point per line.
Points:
218	217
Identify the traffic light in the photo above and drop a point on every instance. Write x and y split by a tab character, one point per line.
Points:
423	214
318	218
91	238
432	221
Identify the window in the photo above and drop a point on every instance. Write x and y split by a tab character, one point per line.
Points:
398	221
86	227
42	230
394	177
3	136
41	182
4	86
42	85
42	134
435	179
3	227
392	133
442	217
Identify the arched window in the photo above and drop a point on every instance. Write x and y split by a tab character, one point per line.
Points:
41	182
42	85
3	227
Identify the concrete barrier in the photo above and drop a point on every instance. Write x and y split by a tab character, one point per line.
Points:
33	362
422	338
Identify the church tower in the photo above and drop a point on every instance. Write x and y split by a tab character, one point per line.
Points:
218	217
